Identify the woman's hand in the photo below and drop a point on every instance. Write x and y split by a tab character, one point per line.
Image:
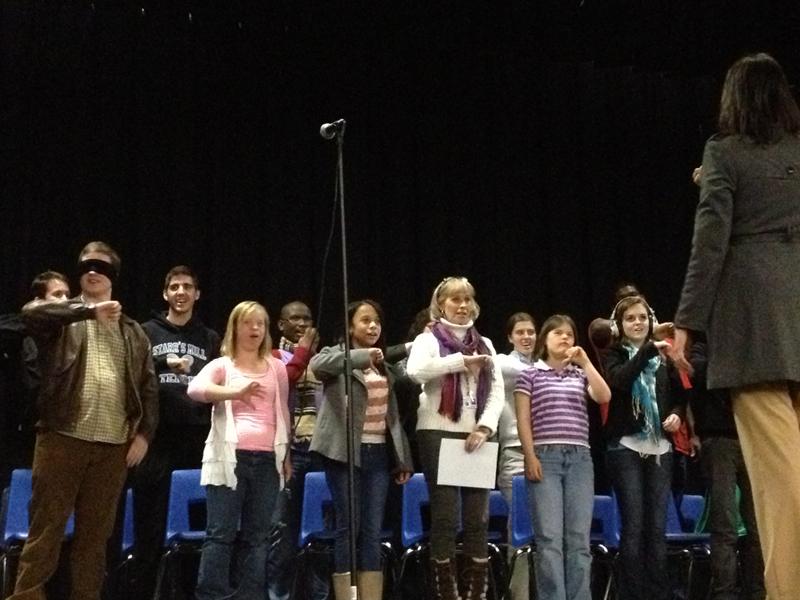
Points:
678	348
402	477
672	423
476	439
697	175
663	348
476	362
533	468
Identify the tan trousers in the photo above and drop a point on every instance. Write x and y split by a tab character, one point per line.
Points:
70	474
768	421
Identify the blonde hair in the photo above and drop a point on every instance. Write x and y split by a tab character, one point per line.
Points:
448	287
239	312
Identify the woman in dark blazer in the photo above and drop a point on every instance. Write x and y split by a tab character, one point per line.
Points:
742	288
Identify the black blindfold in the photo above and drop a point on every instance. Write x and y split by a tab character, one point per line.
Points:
98	266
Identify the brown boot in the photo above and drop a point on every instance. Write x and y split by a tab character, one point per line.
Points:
444	581
341	586
370	585
476	576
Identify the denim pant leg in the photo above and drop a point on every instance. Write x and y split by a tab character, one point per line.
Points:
642	485
578	508
561	509
546	501
374	484
223	508
336	477
657	492
720	465
625	468
258	472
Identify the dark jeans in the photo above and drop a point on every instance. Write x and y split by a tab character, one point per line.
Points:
239	519
281	563
642	486
371	488
723	465
445	500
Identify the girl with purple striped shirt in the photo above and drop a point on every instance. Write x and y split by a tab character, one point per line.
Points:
553	424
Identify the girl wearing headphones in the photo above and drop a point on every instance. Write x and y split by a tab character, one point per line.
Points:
647	405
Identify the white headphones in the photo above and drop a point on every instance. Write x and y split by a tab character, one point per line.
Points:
651	315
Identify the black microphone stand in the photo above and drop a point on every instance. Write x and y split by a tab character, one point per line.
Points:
348	369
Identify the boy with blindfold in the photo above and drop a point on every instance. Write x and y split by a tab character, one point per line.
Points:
98	408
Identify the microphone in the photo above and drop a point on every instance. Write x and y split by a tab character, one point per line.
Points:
329	130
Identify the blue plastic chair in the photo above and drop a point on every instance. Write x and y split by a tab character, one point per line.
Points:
316	496
16	527
688	544
127	524
521	535
604	537
185	490
180	538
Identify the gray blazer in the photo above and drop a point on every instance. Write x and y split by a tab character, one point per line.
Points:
742	284
330	431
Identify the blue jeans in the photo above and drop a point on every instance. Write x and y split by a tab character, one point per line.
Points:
238	519
642	487
561	507
281	563
371	488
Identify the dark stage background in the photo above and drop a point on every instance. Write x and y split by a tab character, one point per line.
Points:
542	148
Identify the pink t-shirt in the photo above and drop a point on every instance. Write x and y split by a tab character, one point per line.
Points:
255	427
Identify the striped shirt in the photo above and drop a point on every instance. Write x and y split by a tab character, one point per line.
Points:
558	404
377	406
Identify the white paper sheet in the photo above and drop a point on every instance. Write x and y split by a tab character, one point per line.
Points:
476	469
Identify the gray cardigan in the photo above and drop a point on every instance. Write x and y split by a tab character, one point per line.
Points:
330	438
742	284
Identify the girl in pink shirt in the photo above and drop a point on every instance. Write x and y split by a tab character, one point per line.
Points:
246	457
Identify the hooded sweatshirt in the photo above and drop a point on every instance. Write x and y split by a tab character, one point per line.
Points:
195	345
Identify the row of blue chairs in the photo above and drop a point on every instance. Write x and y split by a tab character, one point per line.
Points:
184	536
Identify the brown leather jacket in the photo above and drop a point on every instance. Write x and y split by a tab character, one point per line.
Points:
59	329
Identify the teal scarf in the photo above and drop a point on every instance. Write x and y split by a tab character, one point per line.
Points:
644	397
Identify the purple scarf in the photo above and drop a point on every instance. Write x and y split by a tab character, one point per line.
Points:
451	401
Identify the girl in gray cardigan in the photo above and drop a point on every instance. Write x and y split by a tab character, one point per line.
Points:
382	449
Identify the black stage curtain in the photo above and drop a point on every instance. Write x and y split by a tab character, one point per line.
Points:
544	149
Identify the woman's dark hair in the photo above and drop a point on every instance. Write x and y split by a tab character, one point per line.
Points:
421	320
625	289
552	322
756	100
